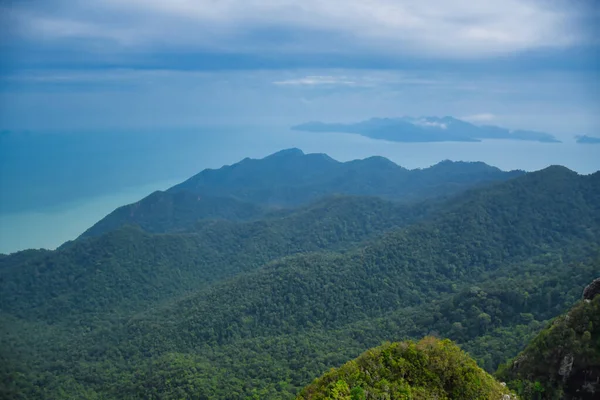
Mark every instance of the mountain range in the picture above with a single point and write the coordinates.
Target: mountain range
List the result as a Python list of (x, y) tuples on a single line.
[(288, 178), (251, 280), (426, 129)]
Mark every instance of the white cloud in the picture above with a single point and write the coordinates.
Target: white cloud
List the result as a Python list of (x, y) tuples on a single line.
[(317, 80), (431, 124), (363, 79), (483, 117), (457, 28)]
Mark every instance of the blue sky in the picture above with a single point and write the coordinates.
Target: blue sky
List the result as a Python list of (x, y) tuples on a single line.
[(108, 64)]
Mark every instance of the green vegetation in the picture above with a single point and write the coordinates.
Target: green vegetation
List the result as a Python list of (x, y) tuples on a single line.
[(128, 270), (563, 360), (231, 309), (429, 369)]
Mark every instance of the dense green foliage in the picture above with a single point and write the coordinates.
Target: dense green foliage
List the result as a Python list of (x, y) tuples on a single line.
[(250, 188), (563, 360), (428, 369), (259, 308), (128, 269)]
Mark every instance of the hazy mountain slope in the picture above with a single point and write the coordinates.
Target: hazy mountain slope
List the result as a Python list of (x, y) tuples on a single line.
[(291, 178), (428, 369), (128, 269), (163, 212)]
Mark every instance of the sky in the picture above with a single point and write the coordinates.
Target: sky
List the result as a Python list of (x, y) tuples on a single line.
[(106, 64), (103, 101)]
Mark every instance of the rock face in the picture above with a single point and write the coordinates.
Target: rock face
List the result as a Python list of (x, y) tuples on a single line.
[(592, 290), (566, 366), (563, 361)]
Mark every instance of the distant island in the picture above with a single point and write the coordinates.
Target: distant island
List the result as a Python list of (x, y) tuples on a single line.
[(585, 139), (426, 129)]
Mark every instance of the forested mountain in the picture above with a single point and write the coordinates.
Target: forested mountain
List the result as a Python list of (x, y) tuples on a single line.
[(563, 360), (128, 269), (248, 189), (163, 212), (260, 305), (480, 232), (291, 177), (428, 369)]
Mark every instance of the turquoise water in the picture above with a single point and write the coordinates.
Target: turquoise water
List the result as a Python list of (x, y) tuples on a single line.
[(50, 228), (54, 186)]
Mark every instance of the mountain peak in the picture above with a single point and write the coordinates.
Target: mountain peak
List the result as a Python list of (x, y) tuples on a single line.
[(456, 373), (557, 169), (470, 165), (291, 152), (378, 162)]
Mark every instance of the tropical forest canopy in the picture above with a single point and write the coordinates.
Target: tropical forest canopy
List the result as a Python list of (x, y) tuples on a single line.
[(252, 280)]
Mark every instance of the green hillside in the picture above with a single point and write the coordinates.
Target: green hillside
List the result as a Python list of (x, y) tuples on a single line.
[(563, 360), (128, 270), (259, 308), (428, 369)]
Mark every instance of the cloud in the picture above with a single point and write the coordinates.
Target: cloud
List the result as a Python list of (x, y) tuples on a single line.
[(438, 28), (483, 117), (317, 80), (430, 124), (360, 79)]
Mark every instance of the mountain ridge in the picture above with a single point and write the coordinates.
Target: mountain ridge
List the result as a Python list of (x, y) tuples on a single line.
[(291, 178)]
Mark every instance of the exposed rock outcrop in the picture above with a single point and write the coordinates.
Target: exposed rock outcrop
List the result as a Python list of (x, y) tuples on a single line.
[(563, 361), (566, 366), (592, 290)]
